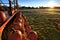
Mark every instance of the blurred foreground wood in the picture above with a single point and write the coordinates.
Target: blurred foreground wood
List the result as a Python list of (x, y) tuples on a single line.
[(4, 25)]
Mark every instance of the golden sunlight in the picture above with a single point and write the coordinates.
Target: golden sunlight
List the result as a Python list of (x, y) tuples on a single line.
[(50, 4)]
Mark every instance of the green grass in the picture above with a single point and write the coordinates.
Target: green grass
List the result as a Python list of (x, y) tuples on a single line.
[(44, 24)]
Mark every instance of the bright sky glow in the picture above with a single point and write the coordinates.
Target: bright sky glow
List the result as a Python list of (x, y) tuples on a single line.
[(50, 4), (37, 3)]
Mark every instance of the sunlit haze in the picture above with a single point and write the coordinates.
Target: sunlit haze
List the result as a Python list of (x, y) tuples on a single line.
[(38, 3)]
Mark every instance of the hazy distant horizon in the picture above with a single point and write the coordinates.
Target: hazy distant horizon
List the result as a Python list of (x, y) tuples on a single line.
[(37, 3), (37, 6)]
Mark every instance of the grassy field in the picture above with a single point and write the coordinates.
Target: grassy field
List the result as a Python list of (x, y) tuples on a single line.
[(44, 22)]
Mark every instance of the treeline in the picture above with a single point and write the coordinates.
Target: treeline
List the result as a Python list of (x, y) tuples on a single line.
[(23, 7), (49, 7), (4, 8)]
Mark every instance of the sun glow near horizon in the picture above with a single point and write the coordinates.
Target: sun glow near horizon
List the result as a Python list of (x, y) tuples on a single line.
[(50, 4)]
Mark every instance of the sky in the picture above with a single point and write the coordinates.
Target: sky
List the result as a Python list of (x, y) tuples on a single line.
[(37, 3)]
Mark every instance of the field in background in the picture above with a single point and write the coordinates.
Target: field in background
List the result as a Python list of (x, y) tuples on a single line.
[(44, 22)]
